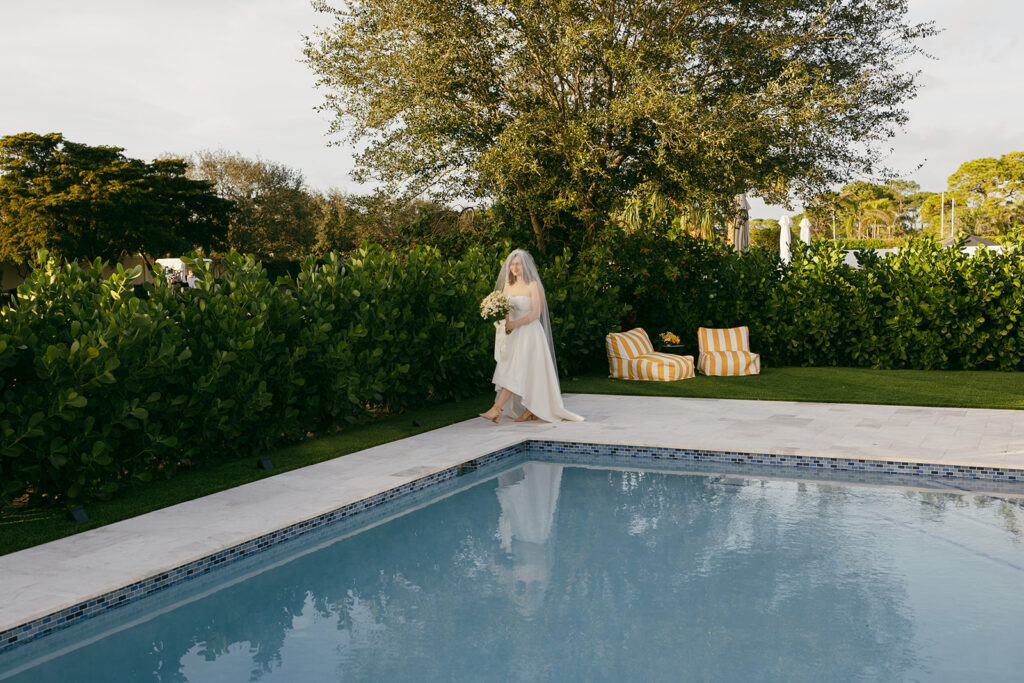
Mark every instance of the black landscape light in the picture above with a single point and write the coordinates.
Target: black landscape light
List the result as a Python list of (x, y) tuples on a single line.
[(264, 464), (78, 514)]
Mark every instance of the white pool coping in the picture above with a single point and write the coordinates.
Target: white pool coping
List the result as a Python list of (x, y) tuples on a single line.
[(45, 579)]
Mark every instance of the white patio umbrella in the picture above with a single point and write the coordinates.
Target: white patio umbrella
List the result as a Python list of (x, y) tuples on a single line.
[(805, 231), (785, 238), (741, 224)]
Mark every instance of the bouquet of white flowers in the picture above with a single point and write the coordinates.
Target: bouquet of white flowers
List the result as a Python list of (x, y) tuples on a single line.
[(495, 307)]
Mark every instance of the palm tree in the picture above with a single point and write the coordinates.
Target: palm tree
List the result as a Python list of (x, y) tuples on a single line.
[(881, 211)]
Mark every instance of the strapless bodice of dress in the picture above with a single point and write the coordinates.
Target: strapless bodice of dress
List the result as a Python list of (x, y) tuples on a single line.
[(520, 306)]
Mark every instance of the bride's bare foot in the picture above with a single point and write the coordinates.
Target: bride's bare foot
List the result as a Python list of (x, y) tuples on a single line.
[(526, 417), (494, 415)]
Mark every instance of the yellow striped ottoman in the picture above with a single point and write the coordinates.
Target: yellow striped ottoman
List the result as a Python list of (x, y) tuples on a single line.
[(631, 356), (725, 352)]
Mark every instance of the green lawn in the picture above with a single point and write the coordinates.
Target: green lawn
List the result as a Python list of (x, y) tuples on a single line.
[(24, 528), (971, 389)]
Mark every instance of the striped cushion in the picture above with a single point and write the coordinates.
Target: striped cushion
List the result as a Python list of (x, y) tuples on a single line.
[(723, 339), (725, 352), (659, 367), (729, 363), (628, 344), (631, 356)]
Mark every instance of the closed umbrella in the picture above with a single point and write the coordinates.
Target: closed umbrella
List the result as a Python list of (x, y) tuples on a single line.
[(741, 224), (805, 231), (785, 238)]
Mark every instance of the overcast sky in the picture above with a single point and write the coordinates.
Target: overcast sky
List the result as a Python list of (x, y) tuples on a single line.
[(183, 76)]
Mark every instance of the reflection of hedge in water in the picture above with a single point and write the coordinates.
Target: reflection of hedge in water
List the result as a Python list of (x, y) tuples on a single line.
[(665, 564), (101, 386)]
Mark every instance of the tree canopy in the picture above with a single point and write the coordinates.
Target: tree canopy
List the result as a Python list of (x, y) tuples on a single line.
[(989, 194), (274, 210), (83, 201), (576, 106)]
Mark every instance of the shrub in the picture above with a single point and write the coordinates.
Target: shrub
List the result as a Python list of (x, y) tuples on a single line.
[(102, 386), (83, 363)]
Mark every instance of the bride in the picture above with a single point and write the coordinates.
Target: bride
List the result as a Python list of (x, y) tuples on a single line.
[(526, 372)]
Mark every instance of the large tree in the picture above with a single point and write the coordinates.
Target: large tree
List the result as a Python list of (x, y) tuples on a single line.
[(577, 105), (275, 213), (989, 194), (83, 201)]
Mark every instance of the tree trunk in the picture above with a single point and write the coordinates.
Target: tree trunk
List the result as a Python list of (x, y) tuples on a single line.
[(538, 230)]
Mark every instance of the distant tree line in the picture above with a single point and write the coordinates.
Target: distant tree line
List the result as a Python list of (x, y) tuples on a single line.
[(84, 201), (986, 197)]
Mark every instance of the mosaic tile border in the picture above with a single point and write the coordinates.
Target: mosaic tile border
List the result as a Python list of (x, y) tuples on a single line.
[(806, 462), (43, 626), (38, 628)]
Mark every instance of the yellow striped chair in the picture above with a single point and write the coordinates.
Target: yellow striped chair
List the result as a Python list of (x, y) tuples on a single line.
[(631, 356), (725, 351)]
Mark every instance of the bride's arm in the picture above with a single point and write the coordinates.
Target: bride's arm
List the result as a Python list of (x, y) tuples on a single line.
[(536, 307)]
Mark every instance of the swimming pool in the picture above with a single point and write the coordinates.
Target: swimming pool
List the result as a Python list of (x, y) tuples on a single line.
[(548, 567)]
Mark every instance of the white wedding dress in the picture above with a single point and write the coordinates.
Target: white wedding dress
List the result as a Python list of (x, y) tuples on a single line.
[(526, 368)]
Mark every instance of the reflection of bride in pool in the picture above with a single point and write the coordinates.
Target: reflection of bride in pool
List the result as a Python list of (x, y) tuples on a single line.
[(528, 496)]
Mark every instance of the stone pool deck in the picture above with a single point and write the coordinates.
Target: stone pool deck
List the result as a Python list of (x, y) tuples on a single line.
[(45, 579)]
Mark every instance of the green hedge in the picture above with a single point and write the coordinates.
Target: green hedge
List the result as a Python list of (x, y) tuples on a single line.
[(924, 307), (100, 387)]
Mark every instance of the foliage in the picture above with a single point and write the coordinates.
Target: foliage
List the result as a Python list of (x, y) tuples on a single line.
[(566, 109), (670, 282), (87, 202), (988, 194), (584, 308), (274, 210), (863, 210), (765, 233), (280, 219), (984, 194), (100, 388), (925, 307), (84, 394)]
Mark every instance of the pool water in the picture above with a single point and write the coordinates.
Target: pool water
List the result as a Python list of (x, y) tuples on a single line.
[(564, 572)]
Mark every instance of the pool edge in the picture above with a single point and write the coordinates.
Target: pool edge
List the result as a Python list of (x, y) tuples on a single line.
[(39, 627)]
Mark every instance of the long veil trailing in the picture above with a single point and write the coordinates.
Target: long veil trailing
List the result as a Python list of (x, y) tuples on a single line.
[(530, 274)]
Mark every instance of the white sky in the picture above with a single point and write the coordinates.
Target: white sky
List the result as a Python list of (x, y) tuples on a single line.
[(177, 77)]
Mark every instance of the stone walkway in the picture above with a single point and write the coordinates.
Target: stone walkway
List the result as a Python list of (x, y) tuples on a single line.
[(42, 580)]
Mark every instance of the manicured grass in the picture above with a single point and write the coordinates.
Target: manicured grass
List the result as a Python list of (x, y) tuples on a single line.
[(24, 528), (966, 389)]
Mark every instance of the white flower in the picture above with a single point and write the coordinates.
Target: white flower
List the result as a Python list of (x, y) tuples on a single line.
[(495, 306)]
